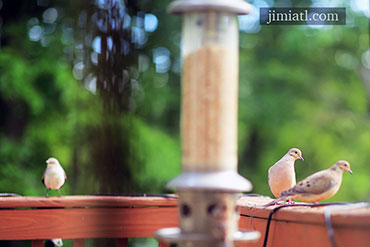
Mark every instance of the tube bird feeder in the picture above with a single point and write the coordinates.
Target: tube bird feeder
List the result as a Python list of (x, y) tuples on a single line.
[(209, 184)]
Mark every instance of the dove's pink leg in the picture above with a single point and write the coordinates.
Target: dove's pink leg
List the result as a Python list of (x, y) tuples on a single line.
[(279, 203), (290, 201)]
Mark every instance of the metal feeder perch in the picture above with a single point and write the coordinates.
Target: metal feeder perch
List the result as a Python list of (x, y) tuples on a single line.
[(209, 184)]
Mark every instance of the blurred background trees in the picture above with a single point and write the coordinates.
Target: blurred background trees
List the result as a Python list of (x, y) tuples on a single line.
[(96, 84)]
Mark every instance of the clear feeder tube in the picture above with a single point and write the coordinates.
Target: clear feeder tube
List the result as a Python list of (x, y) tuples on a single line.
[(209, 91)]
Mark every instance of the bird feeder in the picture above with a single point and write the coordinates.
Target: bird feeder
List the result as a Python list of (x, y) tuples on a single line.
[(209, 184)]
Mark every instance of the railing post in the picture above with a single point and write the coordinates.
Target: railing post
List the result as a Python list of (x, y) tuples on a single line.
[(79, 242), (121, 242), (163, 244), (37, 243)]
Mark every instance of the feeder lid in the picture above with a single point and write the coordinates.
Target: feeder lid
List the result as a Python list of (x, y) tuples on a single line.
[(221, 180), (239, 7)]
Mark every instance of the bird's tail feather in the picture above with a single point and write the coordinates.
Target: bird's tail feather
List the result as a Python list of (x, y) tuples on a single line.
[(276, 200)]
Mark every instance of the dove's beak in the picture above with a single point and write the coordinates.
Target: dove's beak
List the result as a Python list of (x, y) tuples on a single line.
[(350, 171), (301, 157)]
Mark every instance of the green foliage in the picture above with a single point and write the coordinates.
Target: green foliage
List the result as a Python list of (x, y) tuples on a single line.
[(160, 155), (299, 87), (297, 90)]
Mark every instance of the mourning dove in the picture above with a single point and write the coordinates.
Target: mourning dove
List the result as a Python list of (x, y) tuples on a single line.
[(54, 176), (281, 176), (319, 186)]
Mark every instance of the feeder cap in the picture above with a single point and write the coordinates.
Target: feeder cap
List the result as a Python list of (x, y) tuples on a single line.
[(239, 7)]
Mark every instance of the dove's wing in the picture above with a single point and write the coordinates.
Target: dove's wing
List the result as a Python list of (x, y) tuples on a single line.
[(317, 183)]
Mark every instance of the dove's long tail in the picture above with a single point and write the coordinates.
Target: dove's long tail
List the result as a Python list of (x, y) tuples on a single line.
[(276, 200)]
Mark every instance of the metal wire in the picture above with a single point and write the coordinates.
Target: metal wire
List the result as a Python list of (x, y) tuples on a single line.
[(254, 195), (136, 195), (9, 195), (292, 205), (327, 215)]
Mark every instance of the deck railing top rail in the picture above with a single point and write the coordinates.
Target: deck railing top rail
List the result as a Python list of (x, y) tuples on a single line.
[(122, 217), (89, 201), (314, 214)]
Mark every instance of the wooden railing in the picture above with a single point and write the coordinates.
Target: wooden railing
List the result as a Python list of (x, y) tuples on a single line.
[(124, 217), (82, 217), (306, 226)]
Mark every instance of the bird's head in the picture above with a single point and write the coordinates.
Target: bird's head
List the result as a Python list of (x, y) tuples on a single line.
[(344, 166), (296, 153), (52, 161)]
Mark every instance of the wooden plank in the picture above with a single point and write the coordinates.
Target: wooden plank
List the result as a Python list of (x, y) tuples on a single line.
[(252, 206), (304, 227), (78, 242), (37, 243), (290, 226), (121, 242), (87, 201), (290, 234), (163, 244), (85, 222)]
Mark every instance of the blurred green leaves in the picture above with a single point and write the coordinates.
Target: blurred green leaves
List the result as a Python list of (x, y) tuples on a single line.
[(299, 87), (302, 87)]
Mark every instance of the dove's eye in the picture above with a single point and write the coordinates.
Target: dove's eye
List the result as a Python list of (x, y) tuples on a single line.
[(345, 165), (295, 152)]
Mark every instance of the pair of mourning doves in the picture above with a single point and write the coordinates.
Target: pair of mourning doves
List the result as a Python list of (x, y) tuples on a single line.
[(319, 186), (281, 176), (54, 176)]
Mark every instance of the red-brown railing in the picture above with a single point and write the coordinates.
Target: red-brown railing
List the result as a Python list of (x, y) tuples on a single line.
[(306, 226), (82, 217), (120, 218)]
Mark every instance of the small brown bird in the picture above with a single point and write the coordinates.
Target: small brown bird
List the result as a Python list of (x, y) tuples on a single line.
[(319, 186), (54, 176), (281, 176)]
